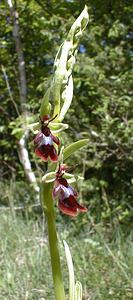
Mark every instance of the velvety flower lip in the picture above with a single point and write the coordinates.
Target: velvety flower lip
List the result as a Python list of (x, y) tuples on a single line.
[(44, 142), (67, 197)]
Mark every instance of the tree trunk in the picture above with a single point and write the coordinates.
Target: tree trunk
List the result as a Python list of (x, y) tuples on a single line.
[(22, 150)]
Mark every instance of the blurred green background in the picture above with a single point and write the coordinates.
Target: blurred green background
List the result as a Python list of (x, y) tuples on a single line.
[(102, 110)]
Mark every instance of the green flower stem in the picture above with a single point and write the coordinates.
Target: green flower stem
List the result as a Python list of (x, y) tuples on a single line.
[(48, 207)]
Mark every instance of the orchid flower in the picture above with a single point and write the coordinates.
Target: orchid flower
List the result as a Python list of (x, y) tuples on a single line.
[(67, 195), (44, 141)]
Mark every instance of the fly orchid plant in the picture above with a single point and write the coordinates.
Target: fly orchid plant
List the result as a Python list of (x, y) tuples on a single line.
[(56, 183)]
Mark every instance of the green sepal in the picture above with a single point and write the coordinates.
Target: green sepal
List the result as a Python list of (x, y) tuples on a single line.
[(54, 127), (49, 177), (34, 127), (74, 147), (58, 127), (72, 178)]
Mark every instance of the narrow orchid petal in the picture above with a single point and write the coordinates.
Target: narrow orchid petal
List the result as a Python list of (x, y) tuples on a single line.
[(55, 139), (55, 191), (38, 138)]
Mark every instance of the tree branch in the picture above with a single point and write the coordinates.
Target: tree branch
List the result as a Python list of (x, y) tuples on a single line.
[(9, 90)]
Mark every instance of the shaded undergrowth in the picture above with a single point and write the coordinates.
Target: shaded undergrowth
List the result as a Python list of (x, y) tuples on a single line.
[(103, 261)]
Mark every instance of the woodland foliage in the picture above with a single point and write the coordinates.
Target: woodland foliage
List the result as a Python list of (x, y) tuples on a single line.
[(102, 107)]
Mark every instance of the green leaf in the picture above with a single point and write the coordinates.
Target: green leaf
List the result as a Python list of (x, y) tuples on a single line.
[(70, 270), (74, 147), (78, 291), (17, 132)]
